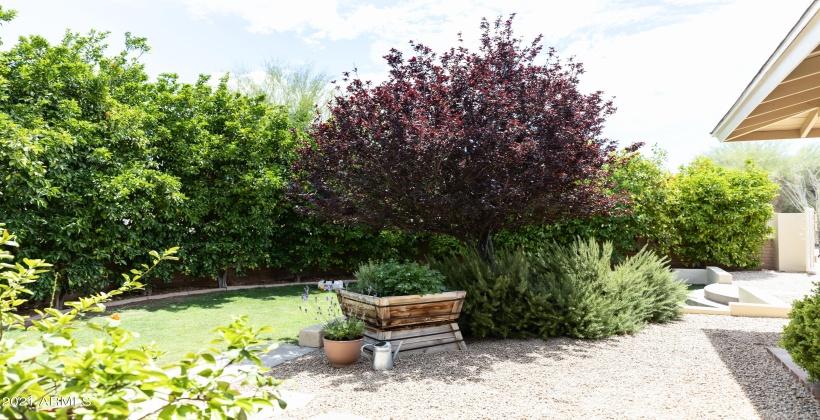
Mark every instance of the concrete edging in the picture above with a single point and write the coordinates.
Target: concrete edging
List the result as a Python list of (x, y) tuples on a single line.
[(116, 303), (783, 357)]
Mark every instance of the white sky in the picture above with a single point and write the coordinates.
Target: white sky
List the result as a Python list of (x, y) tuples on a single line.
[(674, 66)]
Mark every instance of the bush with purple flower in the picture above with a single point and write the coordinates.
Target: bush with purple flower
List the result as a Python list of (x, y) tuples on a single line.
[(327, 311)]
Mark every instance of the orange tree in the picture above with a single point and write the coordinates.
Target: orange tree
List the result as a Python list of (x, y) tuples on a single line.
[(465, 145)]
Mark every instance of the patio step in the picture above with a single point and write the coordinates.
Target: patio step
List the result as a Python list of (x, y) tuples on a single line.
[(698, 298), (721, 293)]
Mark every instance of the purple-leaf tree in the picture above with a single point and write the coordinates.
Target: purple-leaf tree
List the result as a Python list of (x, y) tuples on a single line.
[(464, 144)]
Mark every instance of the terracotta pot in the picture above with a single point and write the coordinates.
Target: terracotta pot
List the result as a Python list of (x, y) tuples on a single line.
[(342, 353)]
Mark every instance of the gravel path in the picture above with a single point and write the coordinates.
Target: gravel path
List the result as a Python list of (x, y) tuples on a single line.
[(701, 367), (785, 286)]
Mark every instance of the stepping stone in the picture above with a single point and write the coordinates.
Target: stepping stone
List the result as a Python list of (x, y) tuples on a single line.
[(281, 354), (311, 336)]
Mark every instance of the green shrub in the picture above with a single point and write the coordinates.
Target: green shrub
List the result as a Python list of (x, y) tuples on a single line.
[(592, 302), (562, 290), (501, 302), (659, 287), (704, 215), (642, 182), (392, 278), (720, 216), (801, 338), (335, 326)]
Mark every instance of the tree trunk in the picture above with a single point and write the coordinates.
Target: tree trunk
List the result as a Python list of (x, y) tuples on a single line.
[(485, 247), (60, 301), (57, 291), (222, 279)]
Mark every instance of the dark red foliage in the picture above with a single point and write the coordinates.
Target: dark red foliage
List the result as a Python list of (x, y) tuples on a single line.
[(464, 145)]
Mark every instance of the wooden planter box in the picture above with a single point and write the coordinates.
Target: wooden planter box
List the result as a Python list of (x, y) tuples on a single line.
[(393, 312), (424, 324)]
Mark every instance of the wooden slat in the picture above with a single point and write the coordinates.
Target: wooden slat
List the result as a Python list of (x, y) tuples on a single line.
[(760, 121), (772, 117), (808, 67), (399, 311), (768, 135), (415, 340), (418, 342), (787, 106), (416, 330), (414, 334), (809, 123), (777, 135), (384, 313), (795, 87), (456, 346)]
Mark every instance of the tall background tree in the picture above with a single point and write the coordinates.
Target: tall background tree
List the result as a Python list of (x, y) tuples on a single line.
[(301, 89), (795, 169), (465, 145)]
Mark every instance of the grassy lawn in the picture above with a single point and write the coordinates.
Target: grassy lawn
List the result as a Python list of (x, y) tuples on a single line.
[(180, 325)]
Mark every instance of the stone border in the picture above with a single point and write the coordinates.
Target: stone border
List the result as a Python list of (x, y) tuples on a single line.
[(783, 358), (116, 303)]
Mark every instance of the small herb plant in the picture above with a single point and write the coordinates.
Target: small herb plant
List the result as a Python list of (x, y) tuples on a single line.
[(327, 310), (393, 278)]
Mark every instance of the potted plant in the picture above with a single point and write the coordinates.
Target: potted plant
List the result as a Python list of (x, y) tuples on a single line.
[(343, 340), (343, 336), (405, 301)]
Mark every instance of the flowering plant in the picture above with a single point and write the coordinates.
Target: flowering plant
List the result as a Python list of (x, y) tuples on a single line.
[(335, 326)]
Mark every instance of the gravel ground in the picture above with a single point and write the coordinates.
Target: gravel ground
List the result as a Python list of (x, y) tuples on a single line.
[(785, 286), (701, 367)]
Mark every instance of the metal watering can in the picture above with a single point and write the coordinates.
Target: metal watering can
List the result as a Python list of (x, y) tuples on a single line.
[(383, 355)]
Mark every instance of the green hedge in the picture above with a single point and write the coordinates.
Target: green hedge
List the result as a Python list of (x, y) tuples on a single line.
[(562, 290), (642, 182), (720, 215), (705, 214)]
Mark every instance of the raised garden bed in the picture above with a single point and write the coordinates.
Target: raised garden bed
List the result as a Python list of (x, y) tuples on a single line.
[(425, 324)]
